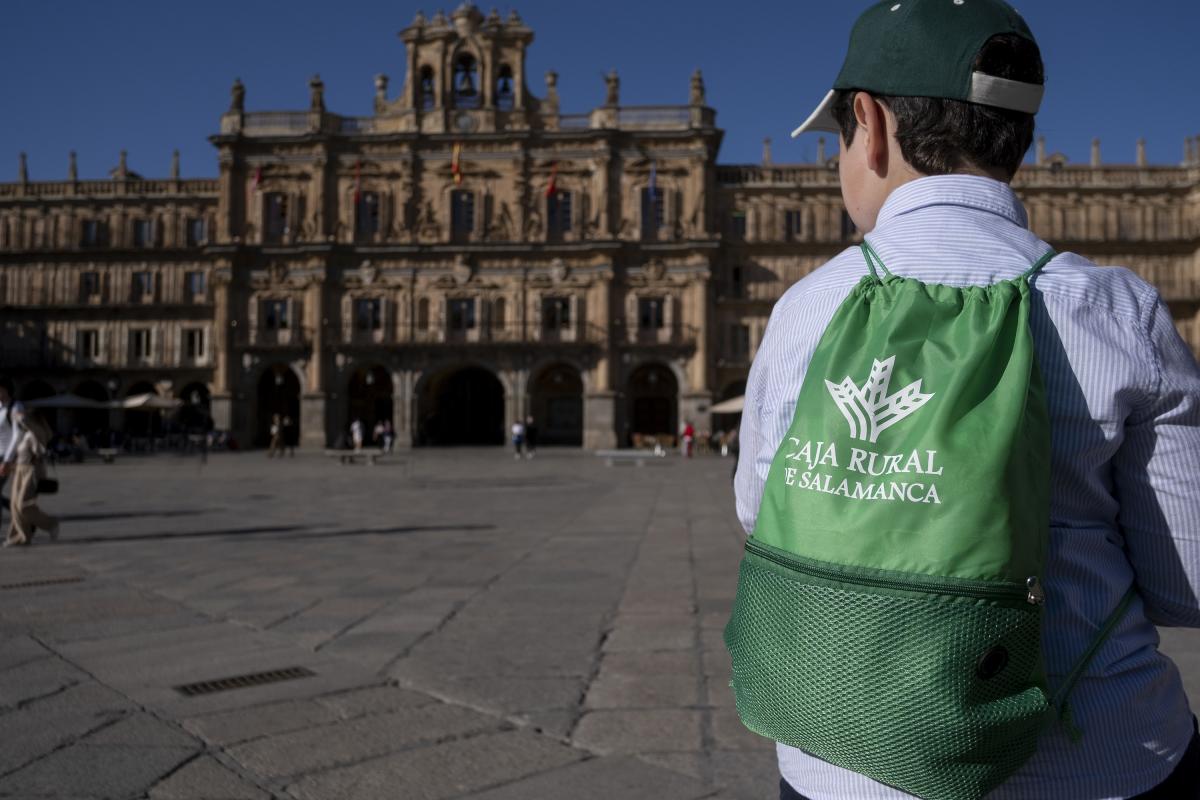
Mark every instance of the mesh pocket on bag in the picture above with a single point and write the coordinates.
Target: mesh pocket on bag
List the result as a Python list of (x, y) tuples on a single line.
[(940, 698)]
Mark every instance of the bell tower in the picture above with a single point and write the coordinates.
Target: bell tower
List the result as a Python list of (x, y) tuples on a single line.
[(465, 73)]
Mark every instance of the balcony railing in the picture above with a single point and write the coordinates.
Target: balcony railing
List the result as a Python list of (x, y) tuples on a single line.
[(675, 335), (512, 333)]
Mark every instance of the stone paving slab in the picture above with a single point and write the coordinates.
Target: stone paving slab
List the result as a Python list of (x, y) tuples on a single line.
[(478, 627)]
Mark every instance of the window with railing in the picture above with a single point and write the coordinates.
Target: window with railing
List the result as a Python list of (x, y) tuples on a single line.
[(556, 314), (196, 231), (89, 285), (848, 226), (737, 225), (793, 226), (275, 315), (143, 233), (140, 344), (89, 345), (368, 314), (558, 215), (94, 233), (738, 343), (141, 287), (275, 217), (423, 314), (653, 212), (462, 215), (193, 345), (460, 315), (651, 313), (366, 216), (194, 284), (737, 287)]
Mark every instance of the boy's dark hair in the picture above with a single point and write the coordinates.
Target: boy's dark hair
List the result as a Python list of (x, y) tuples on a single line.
[(938, 136)]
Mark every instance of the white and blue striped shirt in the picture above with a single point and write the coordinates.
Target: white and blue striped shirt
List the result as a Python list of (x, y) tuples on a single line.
[(1124, 397)]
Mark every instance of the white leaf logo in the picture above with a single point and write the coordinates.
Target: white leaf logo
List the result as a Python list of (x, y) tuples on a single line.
[(869, 409)]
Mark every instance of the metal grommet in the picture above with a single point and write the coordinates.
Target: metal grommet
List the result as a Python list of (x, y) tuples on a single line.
[(992, 663)]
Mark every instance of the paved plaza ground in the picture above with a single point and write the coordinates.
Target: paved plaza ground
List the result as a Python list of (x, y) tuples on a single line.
[(458, 624)]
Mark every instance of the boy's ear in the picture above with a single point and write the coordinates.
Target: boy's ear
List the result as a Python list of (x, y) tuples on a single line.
[(868, 113)]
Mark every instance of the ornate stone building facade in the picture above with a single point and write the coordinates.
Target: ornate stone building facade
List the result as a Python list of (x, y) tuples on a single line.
[(469, 255)]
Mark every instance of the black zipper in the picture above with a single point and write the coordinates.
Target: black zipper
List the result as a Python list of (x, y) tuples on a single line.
[(956, 587)]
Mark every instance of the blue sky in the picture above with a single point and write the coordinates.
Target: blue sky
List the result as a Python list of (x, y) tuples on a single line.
[(153, 75)]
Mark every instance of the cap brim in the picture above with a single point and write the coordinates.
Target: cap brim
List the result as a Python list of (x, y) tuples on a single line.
[(821, 119)]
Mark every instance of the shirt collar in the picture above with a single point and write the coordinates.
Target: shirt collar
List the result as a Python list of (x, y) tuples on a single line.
[(967, 191)]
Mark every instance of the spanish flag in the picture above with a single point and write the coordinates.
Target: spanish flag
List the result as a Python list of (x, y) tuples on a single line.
[(455, 166), (552, 186)]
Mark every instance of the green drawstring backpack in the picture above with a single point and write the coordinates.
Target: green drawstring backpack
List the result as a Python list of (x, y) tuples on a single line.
[(889, 603)]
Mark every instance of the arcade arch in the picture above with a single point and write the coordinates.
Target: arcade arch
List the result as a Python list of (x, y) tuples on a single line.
[(556, 405), (461, 406)]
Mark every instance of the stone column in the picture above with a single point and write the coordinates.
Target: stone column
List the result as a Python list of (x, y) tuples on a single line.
[(403, 407), (600, 420), (313, 421)]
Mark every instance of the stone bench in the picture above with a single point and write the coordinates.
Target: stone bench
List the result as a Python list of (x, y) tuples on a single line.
[(638, 457)]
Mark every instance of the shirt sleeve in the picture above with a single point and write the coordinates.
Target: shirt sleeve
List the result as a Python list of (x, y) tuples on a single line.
[(754, 434), (11, 454), (1156, 481)]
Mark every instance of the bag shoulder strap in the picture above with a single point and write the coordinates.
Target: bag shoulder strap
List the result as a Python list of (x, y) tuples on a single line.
[(1061, 699)]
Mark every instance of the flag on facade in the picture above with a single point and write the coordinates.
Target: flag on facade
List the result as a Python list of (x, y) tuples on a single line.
[(552, 186), (455, 165), (257, 178), (357, 182)]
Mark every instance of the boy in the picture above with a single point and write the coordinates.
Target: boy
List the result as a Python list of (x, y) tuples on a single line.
[(935, 109)]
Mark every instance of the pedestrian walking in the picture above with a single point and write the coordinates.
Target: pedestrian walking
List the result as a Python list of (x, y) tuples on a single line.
[(518, 438), (377, 436), (30, 467), (970, 464), (531, 437), (276, 446), (688, 439), (357, 431)]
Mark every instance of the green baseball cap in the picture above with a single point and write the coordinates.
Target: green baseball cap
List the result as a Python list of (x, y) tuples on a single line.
[(927, 48)]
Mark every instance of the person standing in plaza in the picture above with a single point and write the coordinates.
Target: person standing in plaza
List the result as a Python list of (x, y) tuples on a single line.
[(276, 446), (32, 436), (688, 438), (357, 431), (531, 437), (518, 438), (935, 111), (8, 439), (389, 436)]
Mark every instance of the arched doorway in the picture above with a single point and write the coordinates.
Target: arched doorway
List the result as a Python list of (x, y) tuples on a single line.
[(369, 398), (653, 402), (36, 390), (461, 407), (556, 404), (278, 394), (142, 423), (195, 413), (91, 422)]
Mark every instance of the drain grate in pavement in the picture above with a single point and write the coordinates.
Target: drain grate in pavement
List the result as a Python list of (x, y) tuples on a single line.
[(40, 582), (244, 681)]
